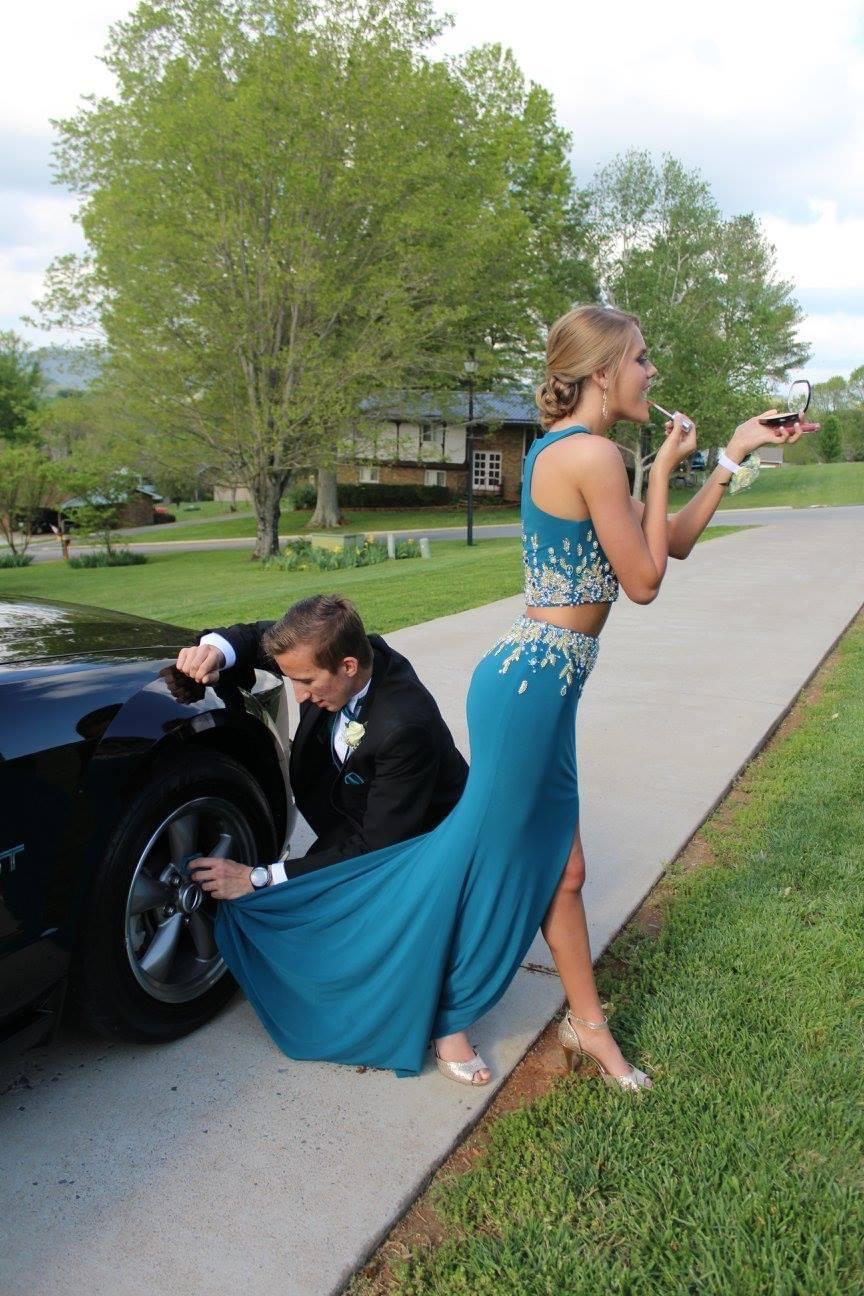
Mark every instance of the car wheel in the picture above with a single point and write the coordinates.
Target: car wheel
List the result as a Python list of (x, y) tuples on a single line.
[(148, 966)]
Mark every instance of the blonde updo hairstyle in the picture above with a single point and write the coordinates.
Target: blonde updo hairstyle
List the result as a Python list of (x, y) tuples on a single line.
[(584, 340)]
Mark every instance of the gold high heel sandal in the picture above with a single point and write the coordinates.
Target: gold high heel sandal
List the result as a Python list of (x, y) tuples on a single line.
[(576, 1055), (464, 1072)]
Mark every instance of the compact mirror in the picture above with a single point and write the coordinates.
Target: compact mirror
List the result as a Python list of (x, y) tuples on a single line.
[(796, 403), (799, 396)]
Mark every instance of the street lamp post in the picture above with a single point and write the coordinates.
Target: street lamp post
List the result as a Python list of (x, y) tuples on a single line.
[(470, 369)]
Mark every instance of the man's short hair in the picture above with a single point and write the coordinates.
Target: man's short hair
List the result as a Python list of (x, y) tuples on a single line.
[(329, 624)]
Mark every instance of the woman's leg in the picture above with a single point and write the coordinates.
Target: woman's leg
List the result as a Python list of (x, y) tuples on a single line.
[(566, 933)]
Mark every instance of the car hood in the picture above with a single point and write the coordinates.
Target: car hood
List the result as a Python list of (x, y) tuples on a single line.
[(36, 632)]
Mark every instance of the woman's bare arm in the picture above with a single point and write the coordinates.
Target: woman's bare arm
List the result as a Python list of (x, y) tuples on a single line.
[(637, 547)]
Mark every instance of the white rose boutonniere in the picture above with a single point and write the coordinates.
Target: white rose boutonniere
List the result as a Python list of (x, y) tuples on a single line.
[(354, 734)]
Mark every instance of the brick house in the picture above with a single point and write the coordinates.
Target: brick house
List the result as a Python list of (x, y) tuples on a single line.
[(135, 510), (422, 440)]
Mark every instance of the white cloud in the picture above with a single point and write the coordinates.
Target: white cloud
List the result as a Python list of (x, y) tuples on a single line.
[(50, 58), (43, 229), (837, 341), (771, 117), (823, 254)]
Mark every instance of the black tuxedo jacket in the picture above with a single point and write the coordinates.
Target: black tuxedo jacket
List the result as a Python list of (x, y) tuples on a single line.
[(402, 779)]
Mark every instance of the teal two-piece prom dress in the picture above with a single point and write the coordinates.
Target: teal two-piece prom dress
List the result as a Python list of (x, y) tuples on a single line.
[(366, 960)]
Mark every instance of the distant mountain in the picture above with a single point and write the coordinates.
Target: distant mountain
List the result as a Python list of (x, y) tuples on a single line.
[(65, 368)]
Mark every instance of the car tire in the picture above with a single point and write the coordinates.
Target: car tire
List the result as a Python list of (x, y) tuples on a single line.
[(148, 967)]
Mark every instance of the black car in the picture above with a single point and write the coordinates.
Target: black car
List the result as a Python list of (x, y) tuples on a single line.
[(115, 772)]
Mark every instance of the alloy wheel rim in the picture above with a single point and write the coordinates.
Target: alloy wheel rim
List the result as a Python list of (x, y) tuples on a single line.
[(169, 920)]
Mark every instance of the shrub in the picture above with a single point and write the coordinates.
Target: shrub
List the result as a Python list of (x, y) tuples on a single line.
[(830, 448), (303, 496), (16, 560), (302, 555), (370, 495), (407, 496), (117, 558)]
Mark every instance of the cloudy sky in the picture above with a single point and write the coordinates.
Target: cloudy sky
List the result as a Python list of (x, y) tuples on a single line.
[(769, 107)]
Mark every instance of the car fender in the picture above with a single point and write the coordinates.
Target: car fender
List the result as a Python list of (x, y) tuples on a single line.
[(159, 722)]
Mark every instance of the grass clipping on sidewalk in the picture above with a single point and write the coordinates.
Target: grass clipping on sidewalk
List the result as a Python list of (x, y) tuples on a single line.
[(742, 1171)]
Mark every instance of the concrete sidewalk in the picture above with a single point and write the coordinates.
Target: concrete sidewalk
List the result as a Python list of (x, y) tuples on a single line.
[(216, 1166)]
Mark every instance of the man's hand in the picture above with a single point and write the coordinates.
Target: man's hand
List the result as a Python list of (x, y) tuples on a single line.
[(223, 879), (202, 663)]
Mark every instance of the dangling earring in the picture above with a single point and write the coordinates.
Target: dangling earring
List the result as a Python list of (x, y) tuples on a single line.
[(604, 407)]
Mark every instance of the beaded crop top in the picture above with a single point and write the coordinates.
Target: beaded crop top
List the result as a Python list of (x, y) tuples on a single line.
[(564, 561)]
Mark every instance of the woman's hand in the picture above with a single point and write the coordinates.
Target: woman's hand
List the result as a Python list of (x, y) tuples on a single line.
[(679, 445), (749, 436)]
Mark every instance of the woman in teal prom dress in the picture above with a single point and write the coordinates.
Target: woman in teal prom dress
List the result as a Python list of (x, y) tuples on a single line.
[(365, 961)]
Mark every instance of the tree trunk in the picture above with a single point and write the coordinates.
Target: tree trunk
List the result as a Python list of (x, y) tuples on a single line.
[(327, 503), (8, 533), (266, 495)]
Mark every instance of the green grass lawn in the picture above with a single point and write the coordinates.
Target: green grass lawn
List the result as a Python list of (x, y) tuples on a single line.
[(740, 1174), (201, 589), (798, 486), (295, 522), (186, 510), (198, 589)]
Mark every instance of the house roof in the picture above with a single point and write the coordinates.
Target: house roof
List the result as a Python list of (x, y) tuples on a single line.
[(100, 500), (514, 405)]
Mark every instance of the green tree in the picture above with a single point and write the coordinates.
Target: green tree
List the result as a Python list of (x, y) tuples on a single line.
[(719, 325), (109, 423), (855, 388), (852, 433), (290, 206), (77, 421), (829, 440), (843, 399), (831, 396), (28, 482), (20, 388), (99, 489)]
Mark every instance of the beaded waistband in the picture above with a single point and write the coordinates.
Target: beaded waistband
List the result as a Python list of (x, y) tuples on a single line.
[(540, 644)]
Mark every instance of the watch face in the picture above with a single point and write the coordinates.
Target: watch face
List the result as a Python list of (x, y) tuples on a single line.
[(259, 877)]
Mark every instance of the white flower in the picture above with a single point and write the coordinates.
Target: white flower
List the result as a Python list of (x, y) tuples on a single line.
[(354, 733)]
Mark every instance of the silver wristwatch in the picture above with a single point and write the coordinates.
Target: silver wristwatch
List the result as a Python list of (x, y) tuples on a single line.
[(260, 877)]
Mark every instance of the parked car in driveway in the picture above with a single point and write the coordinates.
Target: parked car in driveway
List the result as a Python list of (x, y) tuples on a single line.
[(115, 772)]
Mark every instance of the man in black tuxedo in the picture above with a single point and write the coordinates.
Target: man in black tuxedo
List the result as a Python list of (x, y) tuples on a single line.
[(372, 761)]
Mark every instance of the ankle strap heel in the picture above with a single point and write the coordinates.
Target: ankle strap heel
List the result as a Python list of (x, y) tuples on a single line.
[(576, 1055)]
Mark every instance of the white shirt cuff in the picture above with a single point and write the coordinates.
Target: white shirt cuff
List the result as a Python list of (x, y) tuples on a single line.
[(216, 641), (278, 873)]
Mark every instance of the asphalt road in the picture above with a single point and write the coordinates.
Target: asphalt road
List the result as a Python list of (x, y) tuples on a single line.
[(47, 550)]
